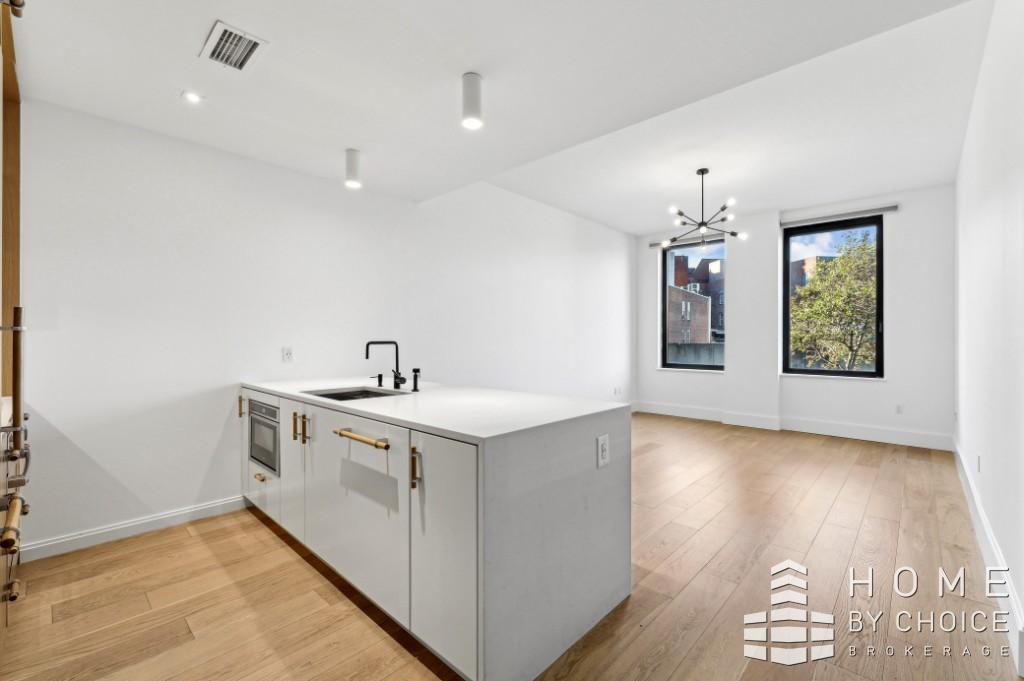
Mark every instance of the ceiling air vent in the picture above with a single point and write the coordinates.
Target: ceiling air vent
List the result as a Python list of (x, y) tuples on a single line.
[(230, 47)]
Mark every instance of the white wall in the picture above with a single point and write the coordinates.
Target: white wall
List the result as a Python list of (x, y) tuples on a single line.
[(158, 274), (918, 262), (990, 296), (515, 294)]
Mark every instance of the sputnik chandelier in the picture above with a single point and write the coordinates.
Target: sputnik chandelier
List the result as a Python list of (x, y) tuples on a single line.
[(703, 227)]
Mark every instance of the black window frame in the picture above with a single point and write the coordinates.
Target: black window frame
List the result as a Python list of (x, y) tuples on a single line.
[(876, 221), (663, 316)]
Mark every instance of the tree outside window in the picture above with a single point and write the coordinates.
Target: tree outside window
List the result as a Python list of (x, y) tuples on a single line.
[(833, 288)]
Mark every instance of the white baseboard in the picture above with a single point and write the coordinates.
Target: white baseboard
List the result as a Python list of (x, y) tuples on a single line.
[(684, 410), (857, 431), (993, 556), (765, 421), (99, 535)]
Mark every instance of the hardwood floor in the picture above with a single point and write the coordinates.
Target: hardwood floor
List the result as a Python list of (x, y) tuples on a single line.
[(715, 506)]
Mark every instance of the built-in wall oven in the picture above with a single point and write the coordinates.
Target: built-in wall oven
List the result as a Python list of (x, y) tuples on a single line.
[(264, 445)]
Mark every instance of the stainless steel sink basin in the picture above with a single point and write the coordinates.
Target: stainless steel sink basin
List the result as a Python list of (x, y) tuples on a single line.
[(345, 394)]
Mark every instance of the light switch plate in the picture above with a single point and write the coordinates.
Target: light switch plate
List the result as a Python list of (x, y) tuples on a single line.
[(286, 353), (604, 454)]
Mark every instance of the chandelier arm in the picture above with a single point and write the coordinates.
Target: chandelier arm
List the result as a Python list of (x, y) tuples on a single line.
[(717, 213), (687, 217), (682, 236)]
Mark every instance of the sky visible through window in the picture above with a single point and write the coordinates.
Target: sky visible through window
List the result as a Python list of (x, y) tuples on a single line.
[(826, 244), (714, 251)]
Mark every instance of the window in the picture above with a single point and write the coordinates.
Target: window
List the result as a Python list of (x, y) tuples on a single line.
[(832, 292), (693, 307)]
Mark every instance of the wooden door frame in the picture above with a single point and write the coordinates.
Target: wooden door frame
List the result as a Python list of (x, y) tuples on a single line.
[(10, 201), (10, 255)]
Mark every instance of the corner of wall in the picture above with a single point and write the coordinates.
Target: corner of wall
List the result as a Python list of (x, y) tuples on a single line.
[(993, 555)]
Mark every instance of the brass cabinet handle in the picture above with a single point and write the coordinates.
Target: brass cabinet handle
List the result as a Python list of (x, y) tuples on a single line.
[(295, 425), (10, 537), (304, 433), (241, 413), (414, 468), (260, 477), (381, 443), (12, 590)]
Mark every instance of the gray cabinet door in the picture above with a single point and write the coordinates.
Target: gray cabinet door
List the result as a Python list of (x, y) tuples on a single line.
[(293, 470), (443, 541), (357, 506)]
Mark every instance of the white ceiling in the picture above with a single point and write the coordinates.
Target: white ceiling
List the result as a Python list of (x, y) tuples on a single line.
[(884, 114), (383, 76)]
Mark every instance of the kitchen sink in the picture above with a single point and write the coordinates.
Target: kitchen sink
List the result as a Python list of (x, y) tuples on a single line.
[(345, 394)]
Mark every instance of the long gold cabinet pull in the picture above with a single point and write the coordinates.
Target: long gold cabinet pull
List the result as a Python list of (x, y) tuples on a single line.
[(295, 425), (381, 443), (241, 410), (304, 431), (414, 468)]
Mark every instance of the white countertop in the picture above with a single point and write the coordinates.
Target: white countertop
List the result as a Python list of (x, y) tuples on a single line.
[(469, 414)]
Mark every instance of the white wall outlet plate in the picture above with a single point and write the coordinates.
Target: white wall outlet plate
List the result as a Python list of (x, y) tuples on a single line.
[(604, 454), (286, 354)]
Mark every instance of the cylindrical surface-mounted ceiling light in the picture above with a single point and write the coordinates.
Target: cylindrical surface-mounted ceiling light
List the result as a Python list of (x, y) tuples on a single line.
[(472, 101), (352, 178)]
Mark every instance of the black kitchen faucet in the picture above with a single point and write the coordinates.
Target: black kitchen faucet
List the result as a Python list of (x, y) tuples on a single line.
[(399, 378)]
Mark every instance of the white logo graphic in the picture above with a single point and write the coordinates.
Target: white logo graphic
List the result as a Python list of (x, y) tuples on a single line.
[(788, 642)]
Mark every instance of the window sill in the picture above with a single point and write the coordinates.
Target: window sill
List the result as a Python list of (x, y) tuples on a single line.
[(698, 371), (880, 379)]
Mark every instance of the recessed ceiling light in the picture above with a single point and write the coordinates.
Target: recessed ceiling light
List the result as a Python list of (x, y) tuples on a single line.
[(192, 97)]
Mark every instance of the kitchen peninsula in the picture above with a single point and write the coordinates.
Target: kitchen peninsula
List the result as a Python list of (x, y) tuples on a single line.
[(492, 525)]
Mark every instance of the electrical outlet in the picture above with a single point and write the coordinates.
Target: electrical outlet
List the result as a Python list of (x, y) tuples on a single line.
[(286, 353), (604, 454), (617, 391), (899, 408)]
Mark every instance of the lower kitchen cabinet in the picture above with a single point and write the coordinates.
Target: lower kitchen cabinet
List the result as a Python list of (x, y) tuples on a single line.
[(409, 544), (357, 505), (443, 547), (263, 489), (292, 467), (260, 484), (402, 514)]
